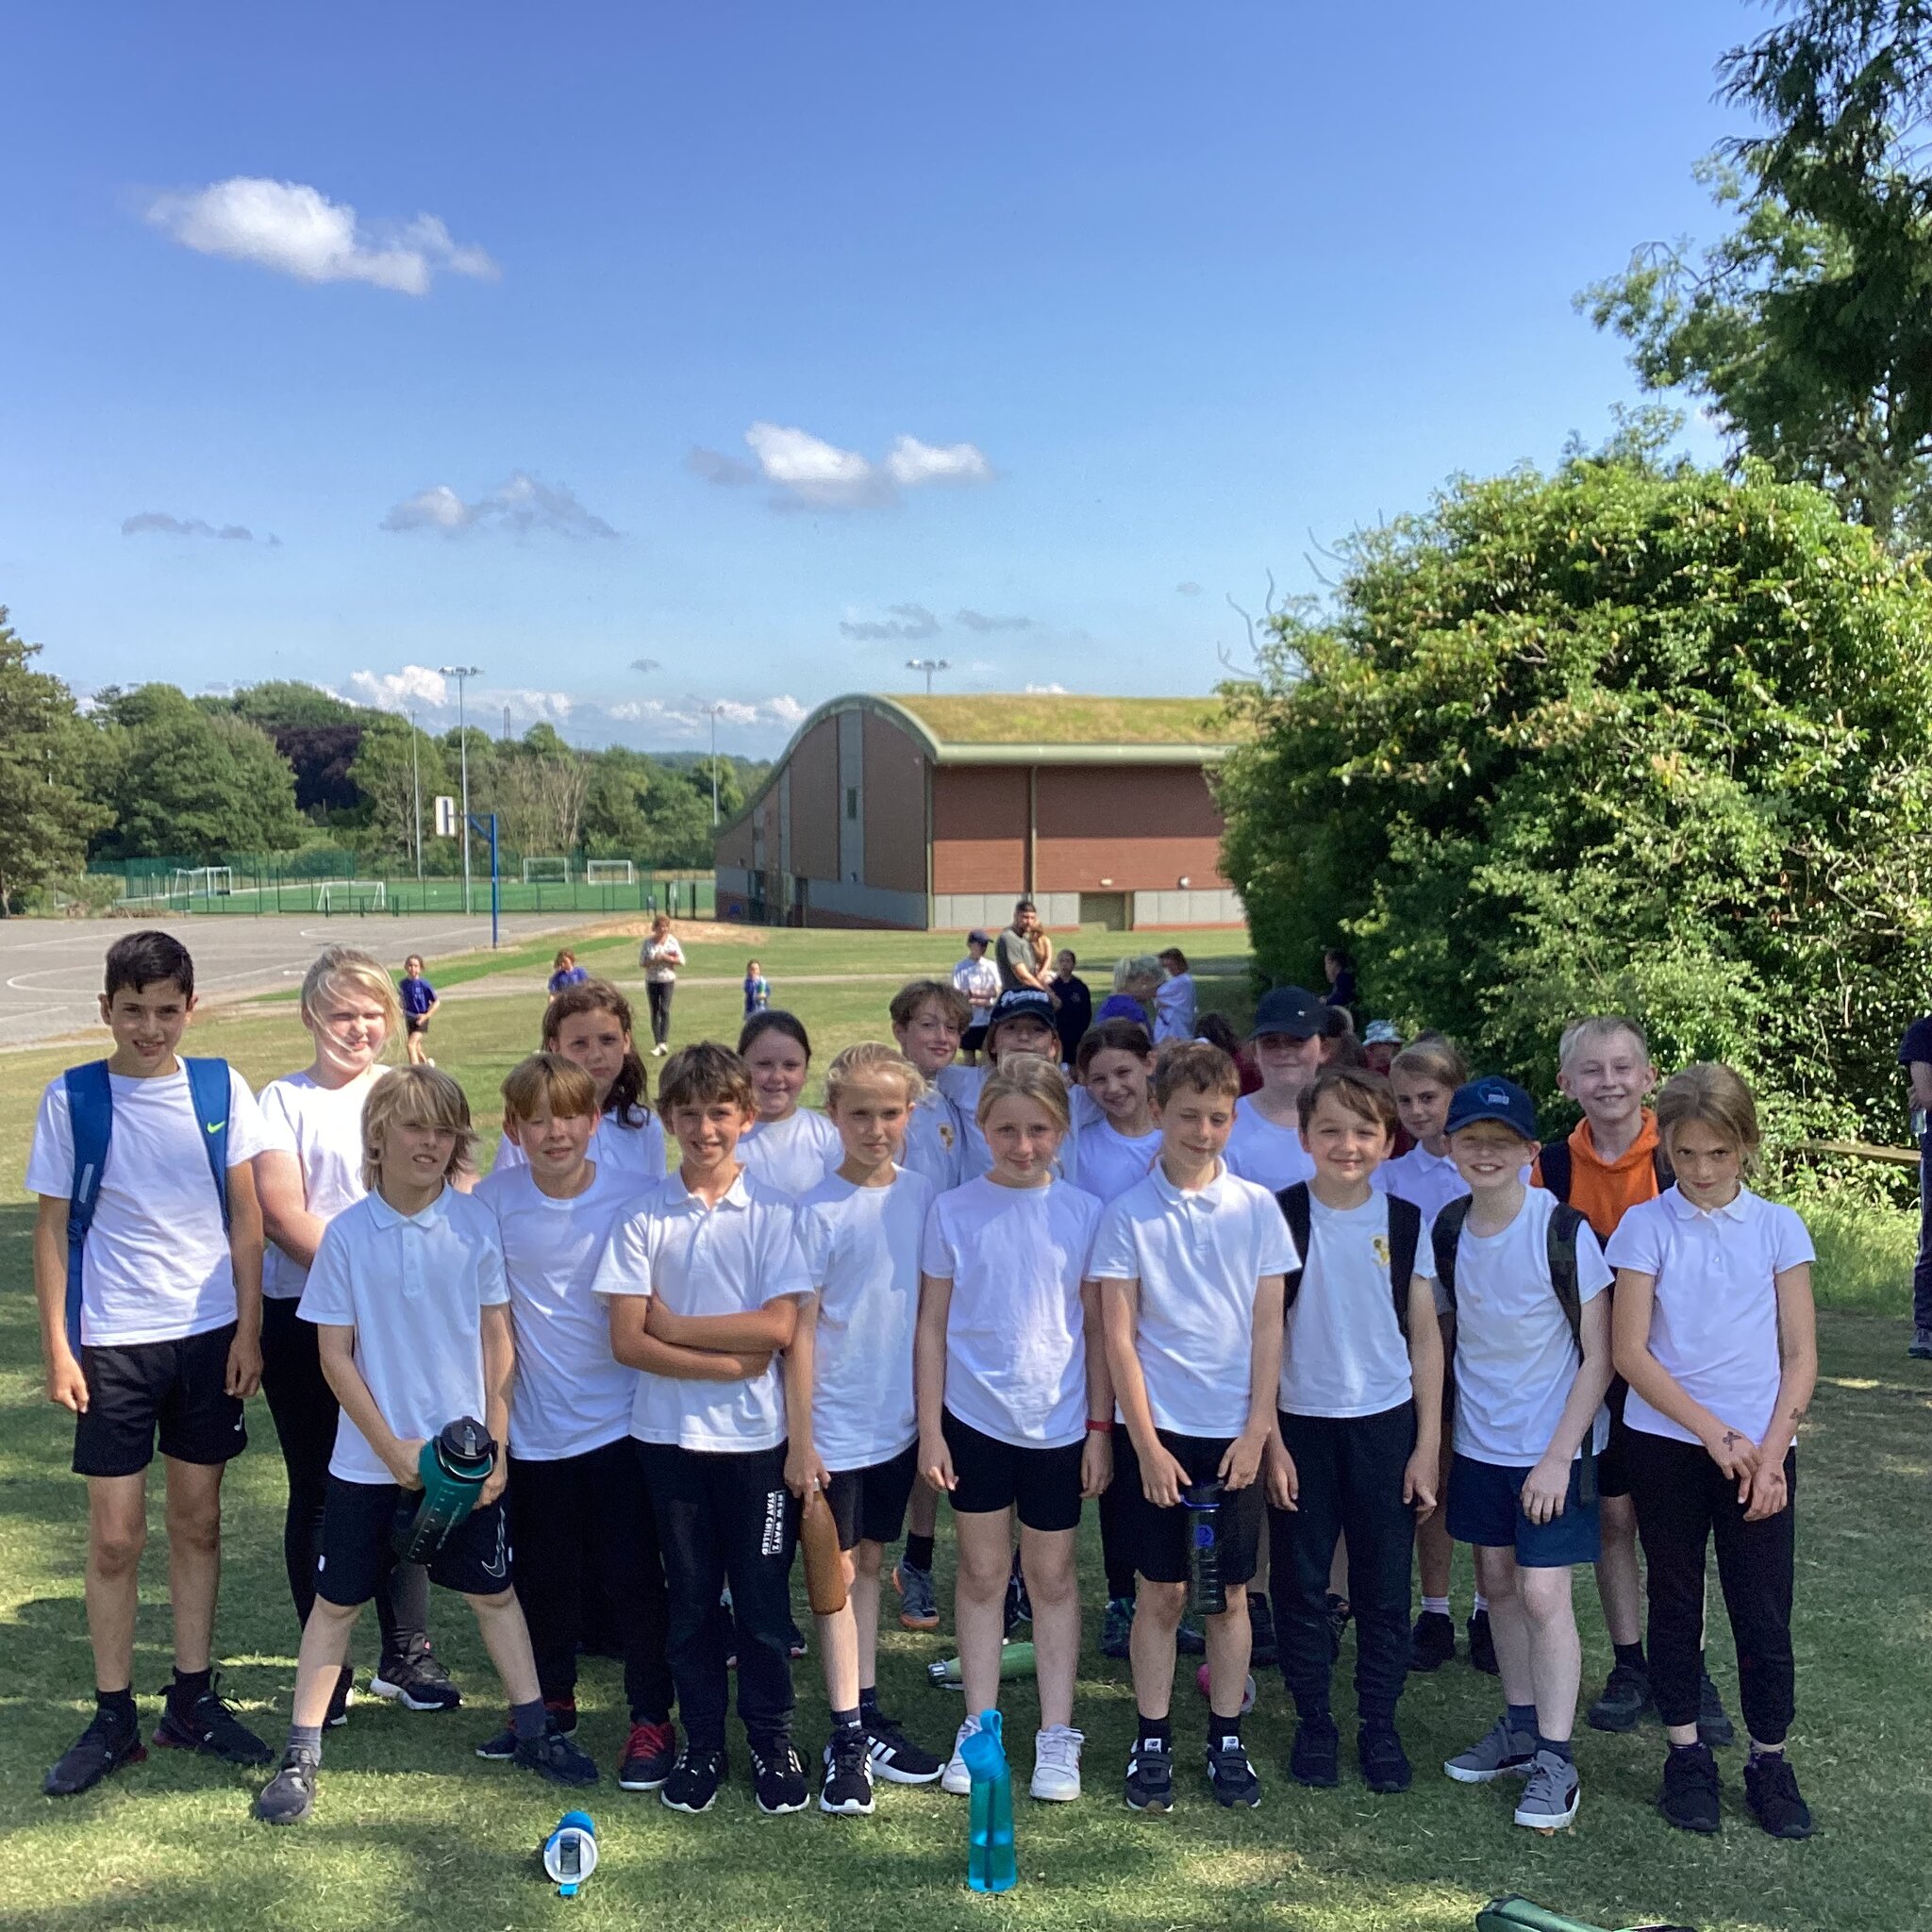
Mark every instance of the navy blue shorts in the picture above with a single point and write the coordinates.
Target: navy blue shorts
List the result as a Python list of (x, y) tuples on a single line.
[(1486, 1508)]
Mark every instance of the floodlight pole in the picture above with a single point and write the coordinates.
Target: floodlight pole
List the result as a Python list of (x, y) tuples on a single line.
[(416, 789), (461, 672), (928, 665), (712, 712)]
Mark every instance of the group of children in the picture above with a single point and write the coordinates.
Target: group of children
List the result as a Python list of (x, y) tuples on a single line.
[(987, 1282)]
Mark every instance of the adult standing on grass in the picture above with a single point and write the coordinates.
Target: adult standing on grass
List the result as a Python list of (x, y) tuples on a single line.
[(1023, 951), (661, 956), (1915, 1057)]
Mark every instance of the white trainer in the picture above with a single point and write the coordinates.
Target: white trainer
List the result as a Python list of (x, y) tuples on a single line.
[(1057, 1764), (956, 1778)]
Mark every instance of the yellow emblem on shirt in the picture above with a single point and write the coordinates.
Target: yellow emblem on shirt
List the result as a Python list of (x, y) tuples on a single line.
[(1380, 1244)]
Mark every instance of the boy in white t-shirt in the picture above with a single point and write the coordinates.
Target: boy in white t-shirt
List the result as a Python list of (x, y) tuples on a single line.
[(1531, 1370), (1190, 1260), (581, 1517), (1360, 1418), (1286, 1038), (162, 1334), (977, 979), (703, 1278), (408, 1291), (849, 1403)]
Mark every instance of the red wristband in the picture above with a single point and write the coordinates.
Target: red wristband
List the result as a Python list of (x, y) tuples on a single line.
[(1094, 1428)]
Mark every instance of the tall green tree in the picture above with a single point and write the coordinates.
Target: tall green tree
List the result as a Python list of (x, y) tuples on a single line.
[(1622, 738), (398, 770), (45, 814), (1808, 326)]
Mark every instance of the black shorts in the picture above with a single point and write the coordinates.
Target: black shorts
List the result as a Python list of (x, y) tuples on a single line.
[(992, 1474), (1613, 1465), (415, 1022), (1157, 1539), (869, 1505), (176, 1387), (974, 1039), (356, 1553)]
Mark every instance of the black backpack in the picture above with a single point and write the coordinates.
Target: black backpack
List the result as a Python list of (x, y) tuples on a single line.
[(1562, 1247), (1405, 1237), (1554, 1165)]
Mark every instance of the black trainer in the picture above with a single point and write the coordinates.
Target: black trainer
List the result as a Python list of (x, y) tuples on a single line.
[(417, 1682), (1316, 1757), (1384, 1762), (289, 1795), (1771, 1789), (1431, 1641), (1262, 1654), (1714, 1726), (209, 1725), (104, 1746), (1689, 1798), (1482, 1646), (695, 1778), (555, 1757), (846, 1791), (1625, 1698), (339, 1700), (1231, 1774), (778, 1775), (894, 1757), (1150, 1776)]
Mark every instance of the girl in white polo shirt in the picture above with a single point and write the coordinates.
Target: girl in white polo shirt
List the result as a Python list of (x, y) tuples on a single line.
[(1715, 1334), (791, 1148), (1015, 1403)]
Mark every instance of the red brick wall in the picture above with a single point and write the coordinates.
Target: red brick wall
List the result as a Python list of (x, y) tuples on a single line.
[(1142, 826), (894, 806), (978, 828)]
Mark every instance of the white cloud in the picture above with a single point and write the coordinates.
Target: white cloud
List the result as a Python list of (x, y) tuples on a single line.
[(909, 624), (688, 718), (522, 505), (808, 471), (296, 229), (161, 524), (392, 691), (786, 710), (1045, 690)]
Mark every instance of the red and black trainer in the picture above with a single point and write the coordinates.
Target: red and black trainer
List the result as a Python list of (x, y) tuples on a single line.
[(648, 1756)]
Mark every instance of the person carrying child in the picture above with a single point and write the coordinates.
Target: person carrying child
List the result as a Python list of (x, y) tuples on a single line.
[(147, 1273), (1717, 1335), (407, 1290), (1190, 1262)]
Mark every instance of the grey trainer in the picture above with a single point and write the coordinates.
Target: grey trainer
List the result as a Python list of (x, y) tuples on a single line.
[(1549, 1799), (1499, 1752)]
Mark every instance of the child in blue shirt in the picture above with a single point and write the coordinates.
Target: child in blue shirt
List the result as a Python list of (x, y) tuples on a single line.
[(757, 989), (419, 1007)]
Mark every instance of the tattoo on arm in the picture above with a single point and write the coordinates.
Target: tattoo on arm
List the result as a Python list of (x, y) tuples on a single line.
[(1799, 1413)]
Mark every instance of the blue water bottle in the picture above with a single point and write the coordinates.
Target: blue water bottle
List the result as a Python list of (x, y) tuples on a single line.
[(570, 1853), (1207, 1594), (991, 1863)]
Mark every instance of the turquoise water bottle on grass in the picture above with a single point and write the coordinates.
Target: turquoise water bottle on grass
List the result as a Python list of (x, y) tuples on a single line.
[(990, 1862)]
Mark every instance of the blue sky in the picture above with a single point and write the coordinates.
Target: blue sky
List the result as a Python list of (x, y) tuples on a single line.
[(776, 343)]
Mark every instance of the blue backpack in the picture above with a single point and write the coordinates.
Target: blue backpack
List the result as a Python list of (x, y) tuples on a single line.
[(90, 1113)]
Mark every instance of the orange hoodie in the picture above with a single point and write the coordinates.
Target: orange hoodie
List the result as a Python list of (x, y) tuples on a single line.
[(1604, 1190)]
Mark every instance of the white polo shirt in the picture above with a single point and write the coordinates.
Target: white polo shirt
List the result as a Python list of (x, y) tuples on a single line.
[(1713, 1323), (1515, 1361), (791, 1155), (1343, 1353), (629, 1151), (862, 1254), (321, 1126), (1199, 1254), (1260, 1151), (1430, 1180), (157, 1266), (936, 1139), (571, 1394), (1016, 1344), (413, 1287), (732, 1260), (1111, 1162)]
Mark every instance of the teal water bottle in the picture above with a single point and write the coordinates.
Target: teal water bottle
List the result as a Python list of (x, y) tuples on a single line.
[(990, 1862), (454, 1466)]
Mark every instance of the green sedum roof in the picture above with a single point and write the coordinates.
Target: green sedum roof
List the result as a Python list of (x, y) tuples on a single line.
[(1071, 719)]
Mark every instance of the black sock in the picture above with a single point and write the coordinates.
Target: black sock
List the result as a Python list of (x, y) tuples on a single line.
[(868, 1701), (1556, 1747), (1760, 1753), (1522, 1719), (845, 1719), (1680, 1750), (1156, 1730), (1630, 1656), (189, 1688), (640, 1716), (528, 1720), (919, 1552), (1219, 1727), (118, 1705)]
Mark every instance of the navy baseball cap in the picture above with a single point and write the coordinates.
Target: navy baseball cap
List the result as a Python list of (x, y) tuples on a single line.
[(1492, 1098), (1021, 1003), (1291, 1009)]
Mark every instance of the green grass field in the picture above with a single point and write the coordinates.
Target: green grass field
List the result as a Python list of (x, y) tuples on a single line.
[(413, 1830)]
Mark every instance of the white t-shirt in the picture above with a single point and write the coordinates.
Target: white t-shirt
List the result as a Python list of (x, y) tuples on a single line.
[(862, 1254), (979, 980), (1342, 1354), (1430, 1180), (156, 1265), (413, 1287), (632, 1151), (936, 1140), (571, 1394), (661, 958), (1199, 1254), (321, 1126), (1111, 1162), (1173, 1008), (1713, 1324), (1515, 1361), (1016, 1347), (794, 1155), (1260, 1151), (732, 1260), (962, 1086)]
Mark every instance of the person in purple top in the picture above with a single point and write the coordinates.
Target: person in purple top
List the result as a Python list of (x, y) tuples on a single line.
[(419, 1007)]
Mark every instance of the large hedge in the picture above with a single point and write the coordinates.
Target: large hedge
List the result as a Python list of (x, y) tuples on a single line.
[(1625, 738)]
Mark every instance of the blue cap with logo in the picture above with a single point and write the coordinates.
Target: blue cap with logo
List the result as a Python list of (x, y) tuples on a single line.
[(1289, 1010), (1492, 1098), (1021, 1003)]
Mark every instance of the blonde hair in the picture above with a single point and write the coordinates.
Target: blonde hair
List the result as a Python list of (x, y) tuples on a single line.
[(337, 967), (1137, 968), (1716, 1096), (415, 1097), (1028, 1076), (549, 1081), (1593, 1029), (1433, 1055), (871, 1060)]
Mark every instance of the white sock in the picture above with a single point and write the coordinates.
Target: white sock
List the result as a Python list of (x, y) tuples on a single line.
[(1435, 1607), (1482, 1602)]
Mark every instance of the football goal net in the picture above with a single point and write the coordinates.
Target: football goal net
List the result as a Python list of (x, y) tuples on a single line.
[(546, 872), (610, 872), (351, 895), (202, 882)]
